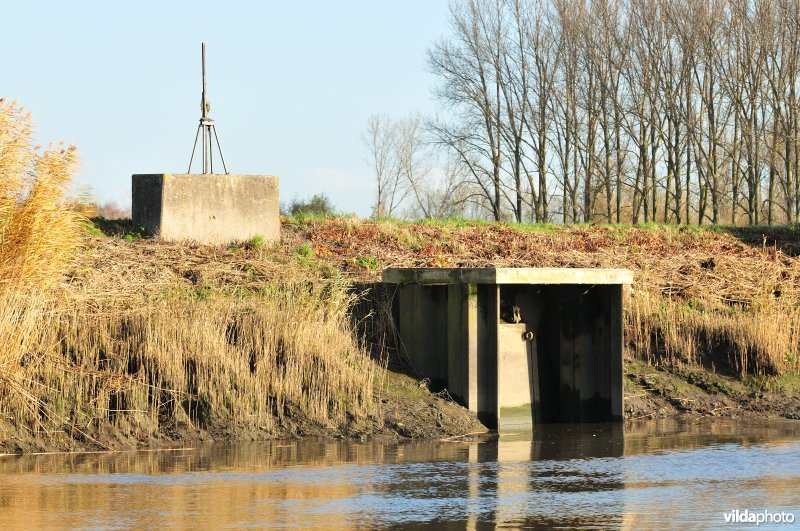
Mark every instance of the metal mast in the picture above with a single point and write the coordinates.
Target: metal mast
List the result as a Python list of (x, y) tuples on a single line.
[(207, 128)]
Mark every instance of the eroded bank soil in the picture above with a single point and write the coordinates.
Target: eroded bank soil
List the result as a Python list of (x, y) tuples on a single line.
[(653, 393), (408, 409)]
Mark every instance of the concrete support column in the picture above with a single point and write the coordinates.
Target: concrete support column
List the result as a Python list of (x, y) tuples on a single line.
[(471, 331)]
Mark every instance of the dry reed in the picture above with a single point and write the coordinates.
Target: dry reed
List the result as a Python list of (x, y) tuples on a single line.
[(39, 232), (700, 297), (230, 363), (92, 362), (755, 341)]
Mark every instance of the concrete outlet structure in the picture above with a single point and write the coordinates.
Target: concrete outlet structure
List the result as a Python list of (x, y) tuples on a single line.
[(517, 346), (207, 208)]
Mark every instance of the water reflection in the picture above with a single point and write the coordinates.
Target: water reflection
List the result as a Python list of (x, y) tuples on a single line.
[(669, 473)]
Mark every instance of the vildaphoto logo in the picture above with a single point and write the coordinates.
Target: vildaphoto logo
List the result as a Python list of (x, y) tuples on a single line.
[(746, 516)]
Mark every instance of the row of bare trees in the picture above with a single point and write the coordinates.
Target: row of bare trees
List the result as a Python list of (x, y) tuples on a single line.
[(412, 180), (628, 111)]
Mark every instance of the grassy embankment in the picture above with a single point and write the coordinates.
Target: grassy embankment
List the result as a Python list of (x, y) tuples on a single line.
[(109, 340), (712, 319), (126, 359)]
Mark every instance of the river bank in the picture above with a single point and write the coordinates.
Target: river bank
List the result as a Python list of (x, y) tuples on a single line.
[(658, 393), (654, 474), (148, 343)]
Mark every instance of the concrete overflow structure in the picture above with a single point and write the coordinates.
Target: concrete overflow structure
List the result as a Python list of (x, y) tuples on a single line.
[(516, 346)]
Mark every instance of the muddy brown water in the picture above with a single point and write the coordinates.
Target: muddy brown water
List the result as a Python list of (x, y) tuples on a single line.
[(672, 473)]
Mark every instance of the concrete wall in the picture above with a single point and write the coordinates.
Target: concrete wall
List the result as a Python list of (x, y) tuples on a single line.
[(422, 326), (576, 357), (211, 208)]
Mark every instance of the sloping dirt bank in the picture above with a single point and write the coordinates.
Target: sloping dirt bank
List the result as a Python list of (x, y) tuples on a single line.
[(405, 409), (653, 393)]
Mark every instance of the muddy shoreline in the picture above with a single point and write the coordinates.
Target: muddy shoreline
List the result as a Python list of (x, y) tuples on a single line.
[(653, 393), (409, 410)]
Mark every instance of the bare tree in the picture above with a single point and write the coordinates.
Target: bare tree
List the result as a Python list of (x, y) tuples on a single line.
[(471, 89), (445, 193), (414, 159), (396, 152), (381, 140), (638, 110)]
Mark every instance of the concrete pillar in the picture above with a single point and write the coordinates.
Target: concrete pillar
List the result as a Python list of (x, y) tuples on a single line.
[(471, 319)]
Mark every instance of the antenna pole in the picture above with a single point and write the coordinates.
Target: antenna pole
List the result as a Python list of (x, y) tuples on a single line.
[(205, 107), (207, 127)]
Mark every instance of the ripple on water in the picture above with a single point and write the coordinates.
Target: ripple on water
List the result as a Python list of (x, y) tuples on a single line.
[(591, 476)]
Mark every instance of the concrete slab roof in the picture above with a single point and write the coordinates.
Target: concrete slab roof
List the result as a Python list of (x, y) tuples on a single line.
[(506, 275)]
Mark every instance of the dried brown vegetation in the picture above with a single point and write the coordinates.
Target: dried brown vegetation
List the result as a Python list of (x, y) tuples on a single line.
[(231, 364), (38, 233), (725, 300), (700, 297), (110, 360)]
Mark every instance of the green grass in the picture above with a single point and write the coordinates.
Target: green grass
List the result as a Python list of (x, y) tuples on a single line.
[(300, 219), (115, 228), (750, 234), (305, 251), (367, 262), (256, 242), (92, 229), (458, 223), (788, 383)]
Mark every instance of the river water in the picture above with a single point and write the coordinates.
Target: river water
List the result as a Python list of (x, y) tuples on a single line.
[(672, 473)]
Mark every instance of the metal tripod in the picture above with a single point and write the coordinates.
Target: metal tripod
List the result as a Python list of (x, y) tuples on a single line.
[(207, 128)]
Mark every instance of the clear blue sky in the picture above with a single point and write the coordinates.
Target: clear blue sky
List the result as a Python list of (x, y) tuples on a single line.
[(291, 84)]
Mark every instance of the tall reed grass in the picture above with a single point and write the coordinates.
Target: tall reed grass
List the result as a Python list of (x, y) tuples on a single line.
[(231, 363), (763, 339), (39, 234), (39, 231)]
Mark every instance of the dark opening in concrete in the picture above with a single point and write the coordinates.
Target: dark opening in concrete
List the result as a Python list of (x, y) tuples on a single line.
[(516, 346)]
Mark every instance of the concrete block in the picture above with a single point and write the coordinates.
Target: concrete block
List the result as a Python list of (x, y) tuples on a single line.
[(207, 208), (514, 384)]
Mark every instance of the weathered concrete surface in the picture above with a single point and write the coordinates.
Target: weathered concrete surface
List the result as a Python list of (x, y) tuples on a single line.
[(210, 208), (507, 275), (513, 362)]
